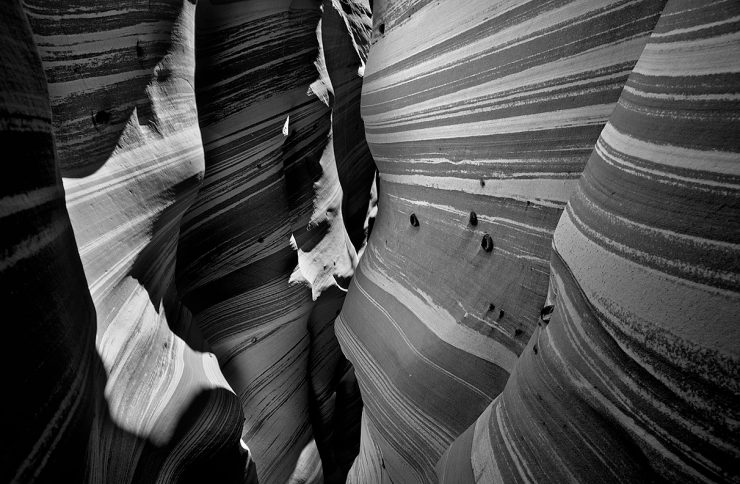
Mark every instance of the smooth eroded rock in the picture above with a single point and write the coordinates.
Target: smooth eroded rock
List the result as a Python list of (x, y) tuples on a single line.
[(264, 255), (130, 152), (485, 107), (50, 364), (635, 376)]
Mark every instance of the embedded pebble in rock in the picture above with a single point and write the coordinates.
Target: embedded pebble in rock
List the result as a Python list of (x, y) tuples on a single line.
[(635, 376), (485, 107)]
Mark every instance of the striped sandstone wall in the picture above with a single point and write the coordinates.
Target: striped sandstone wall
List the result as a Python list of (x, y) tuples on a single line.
[(130, 154), (635, 377), (484, 107)]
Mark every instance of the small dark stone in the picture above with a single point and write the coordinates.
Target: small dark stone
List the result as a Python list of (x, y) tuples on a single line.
[(487, 243), (491, 307), (381, 28), (518, 332), (102, 117), (501, 314), (414, 221), (473, 219), (482, 182), (534, 348), (546, 313), (260, 239), (139, 50)]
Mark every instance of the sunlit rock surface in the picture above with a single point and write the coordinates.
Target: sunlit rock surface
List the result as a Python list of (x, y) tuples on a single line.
[(129, 149), (635, 377), (480, 117)]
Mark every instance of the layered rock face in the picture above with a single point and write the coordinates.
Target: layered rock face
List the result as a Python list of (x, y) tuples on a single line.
[(267, 225), (549, 294), (480, 117), (266, 236), (129, 149), (49, 312), (635, 377), (495, 111)]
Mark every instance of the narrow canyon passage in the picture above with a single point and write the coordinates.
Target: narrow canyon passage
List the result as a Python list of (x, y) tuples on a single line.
[(210, 224), (389, 241), (264, 251)]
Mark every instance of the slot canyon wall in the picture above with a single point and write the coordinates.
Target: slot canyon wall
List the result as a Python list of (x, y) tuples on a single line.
[(481, 117), (550, 291), (275, 155), (130, 156), (207, 222), (42, 284)]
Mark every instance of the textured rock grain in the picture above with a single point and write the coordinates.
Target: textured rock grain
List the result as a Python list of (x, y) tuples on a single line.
[(120, 84), (550, 292), (264, 254), (636, 376), (485, 107)]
